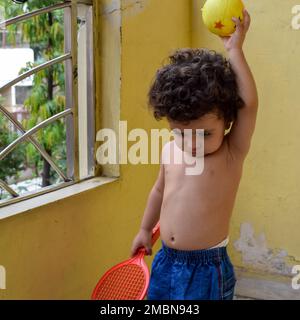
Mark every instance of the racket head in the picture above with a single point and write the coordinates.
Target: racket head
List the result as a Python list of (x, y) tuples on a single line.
[(128, 280)]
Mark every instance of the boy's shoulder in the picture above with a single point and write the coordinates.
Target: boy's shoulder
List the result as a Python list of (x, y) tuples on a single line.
[(166, 151), (168, 145)]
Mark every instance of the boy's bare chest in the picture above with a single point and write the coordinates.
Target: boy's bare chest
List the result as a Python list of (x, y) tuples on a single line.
[(213, 172), (219, 173)]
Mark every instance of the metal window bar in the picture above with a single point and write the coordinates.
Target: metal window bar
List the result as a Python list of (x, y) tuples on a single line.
[(33, 130), (90, 97), (71, 85), (40, 148), (70, 59), (6, 187), (35, 70), (34, 13)]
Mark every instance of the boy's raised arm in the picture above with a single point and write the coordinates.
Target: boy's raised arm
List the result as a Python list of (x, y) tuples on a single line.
[(242, 129)]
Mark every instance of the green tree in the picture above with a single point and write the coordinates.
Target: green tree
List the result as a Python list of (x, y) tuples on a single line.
[(45, 35), (13, 161)]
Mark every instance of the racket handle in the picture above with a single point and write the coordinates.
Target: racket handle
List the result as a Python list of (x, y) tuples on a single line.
[(155, 233)]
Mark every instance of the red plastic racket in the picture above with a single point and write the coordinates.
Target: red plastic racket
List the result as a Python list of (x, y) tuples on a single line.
[(128, 280)]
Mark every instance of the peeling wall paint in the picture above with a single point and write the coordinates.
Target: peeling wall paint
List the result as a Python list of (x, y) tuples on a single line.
[(133, 7), (110, 8), (110, 12), (128, 7), (257, 255)]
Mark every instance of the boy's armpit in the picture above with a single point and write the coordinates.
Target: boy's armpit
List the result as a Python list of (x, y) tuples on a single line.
[(240, 135)]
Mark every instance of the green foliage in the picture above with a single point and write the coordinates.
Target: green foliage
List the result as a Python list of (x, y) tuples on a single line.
[(15, 160)]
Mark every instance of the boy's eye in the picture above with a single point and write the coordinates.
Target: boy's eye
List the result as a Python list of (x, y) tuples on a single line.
[(177, 133), (181, 133), (205, 133)]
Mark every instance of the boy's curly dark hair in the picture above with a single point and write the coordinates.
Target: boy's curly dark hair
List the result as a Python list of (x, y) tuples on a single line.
[(196, 82)]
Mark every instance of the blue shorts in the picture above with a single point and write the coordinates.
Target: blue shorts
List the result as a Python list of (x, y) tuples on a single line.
[(191, 275)]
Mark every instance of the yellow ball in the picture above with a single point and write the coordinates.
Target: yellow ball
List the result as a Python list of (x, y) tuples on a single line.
[(217, 15)]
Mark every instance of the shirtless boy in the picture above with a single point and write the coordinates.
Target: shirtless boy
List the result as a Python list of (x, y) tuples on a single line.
[(199, 89)]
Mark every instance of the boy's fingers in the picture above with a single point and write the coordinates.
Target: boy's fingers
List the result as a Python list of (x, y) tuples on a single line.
[(236, 20), (134, 251), (247, 19), (238, 23)]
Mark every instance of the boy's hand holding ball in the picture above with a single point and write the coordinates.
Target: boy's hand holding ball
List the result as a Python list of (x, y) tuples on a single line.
[(217, 15), (228, 19)]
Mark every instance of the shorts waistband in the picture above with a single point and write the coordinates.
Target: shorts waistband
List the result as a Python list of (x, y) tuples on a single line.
[(214, 255), (223, 243)]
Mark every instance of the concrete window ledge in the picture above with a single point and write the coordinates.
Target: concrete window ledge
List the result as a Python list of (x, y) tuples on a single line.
[(53, 196)]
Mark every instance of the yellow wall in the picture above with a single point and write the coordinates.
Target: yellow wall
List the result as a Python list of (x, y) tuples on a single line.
[(59, 251)]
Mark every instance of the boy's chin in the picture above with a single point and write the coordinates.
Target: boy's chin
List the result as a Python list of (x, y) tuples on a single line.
[(195, 154)]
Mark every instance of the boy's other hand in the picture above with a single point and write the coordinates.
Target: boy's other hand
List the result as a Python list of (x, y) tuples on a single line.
[(142, 239), (236, 40)]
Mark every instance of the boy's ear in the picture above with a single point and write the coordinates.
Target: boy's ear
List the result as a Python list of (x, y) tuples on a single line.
[(227, 125)]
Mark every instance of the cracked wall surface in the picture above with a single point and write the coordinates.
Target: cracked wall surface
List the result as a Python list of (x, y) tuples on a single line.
[(127, 7), (257, 255)]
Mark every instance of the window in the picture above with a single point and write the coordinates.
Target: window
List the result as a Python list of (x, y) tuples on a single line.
[(46, 124)]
